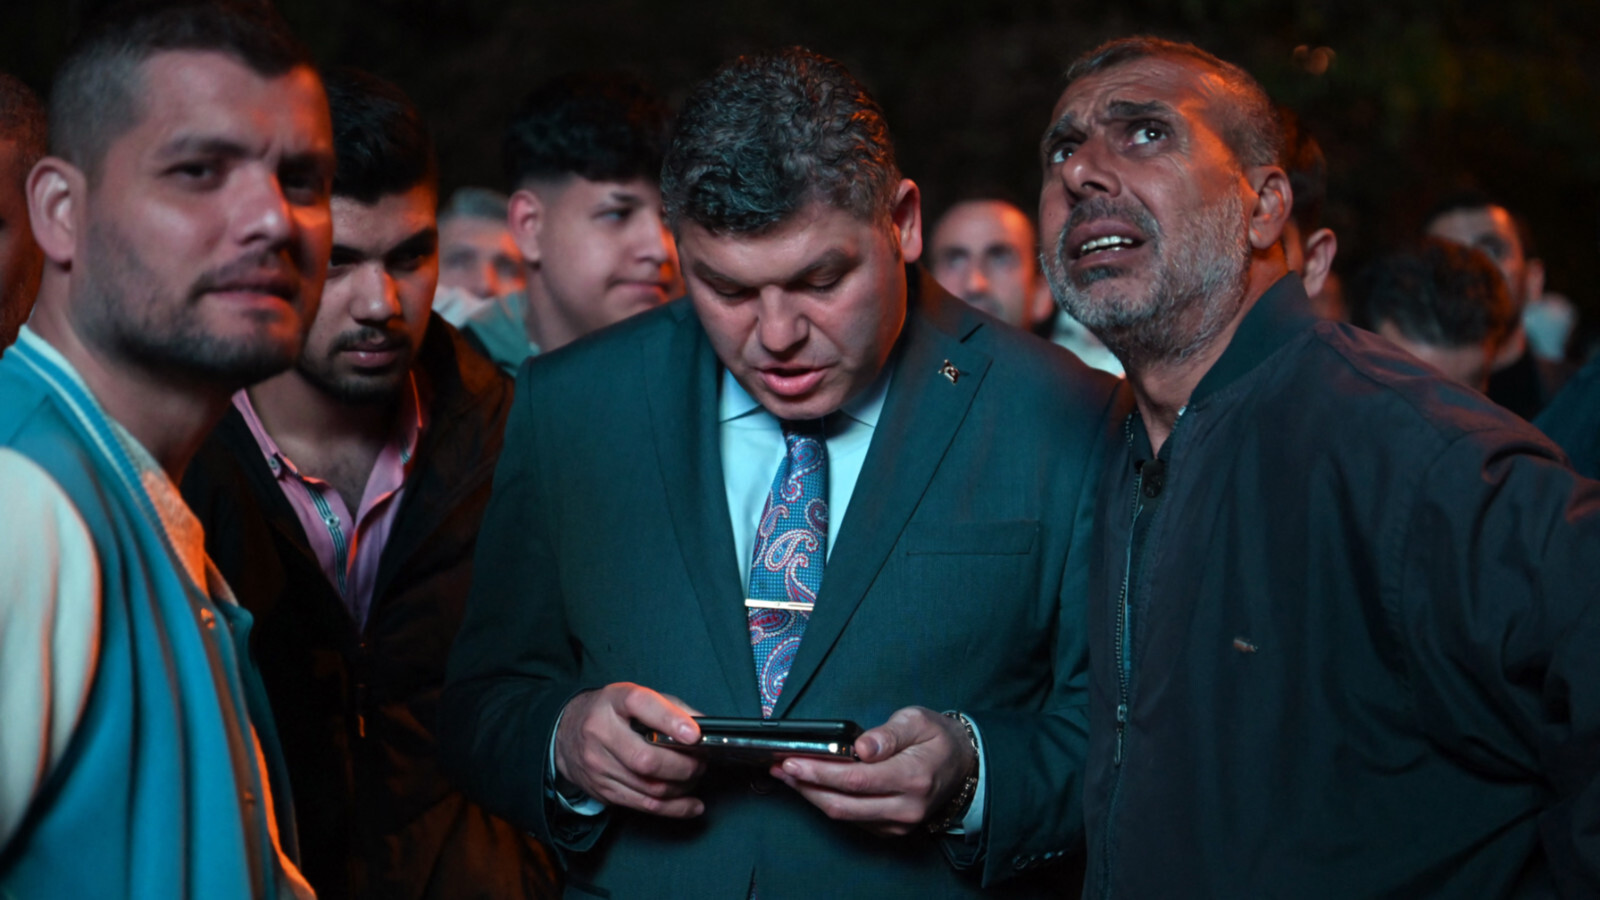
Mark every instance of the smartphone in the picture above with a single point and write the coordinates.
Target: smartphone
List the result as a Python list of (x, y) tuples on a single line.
[(765, 741)]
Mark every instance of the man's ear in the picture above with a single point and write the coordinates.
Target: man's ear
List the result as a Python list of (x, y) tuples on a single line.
[(1274, 201), (55, 193), (907, 219), (1320, 247), (525, 214)]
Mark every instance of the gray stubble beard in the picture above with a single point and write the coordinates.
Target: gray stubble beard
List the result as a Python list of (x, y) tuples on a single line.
[(1196, 294)]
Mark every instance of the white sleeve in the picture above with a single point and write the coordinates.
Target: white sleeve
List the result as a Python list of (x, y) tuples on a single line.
[(49, 630)]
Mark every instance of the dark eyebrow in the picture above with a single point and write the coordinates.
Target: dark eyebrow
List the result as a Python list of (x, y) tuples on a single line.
[(706, 273), (1116, 111), (625, 197), (1061, 128), (422, 243), (1119, 110), (195, 144), (834, 257)]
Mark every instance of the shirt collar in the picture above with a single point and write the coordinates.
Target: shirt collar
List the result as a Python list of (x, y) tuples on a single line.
[(734, 402), (1278, 315), (408, 427), (183, 529)]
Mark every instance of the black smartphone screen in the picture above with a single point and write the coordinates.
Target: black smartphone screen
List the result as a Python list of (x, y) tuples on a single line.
[(764, 741)]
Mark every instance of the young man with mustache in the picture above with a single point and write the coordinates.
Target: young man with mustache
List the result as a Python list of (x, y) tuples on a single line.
[(343, 498), (183, 213)]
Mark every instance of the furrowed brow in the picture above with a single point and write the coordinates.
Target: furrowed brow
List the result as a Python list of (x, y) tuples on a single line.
[(423, 242), (1064, 127), (1122, 110)]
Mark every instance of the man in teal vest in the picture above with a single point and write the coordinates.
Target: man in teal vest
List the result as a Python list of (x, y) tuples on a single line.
[(184, 218)]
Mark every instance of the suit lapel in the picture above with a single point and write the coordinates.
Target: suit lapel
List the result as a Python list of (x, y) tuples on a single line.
[(921, 415), (682, 391)]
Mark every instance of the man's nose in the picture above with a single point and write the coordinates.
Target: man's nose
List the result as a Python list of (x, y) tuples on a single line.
[(976, 281), (783, 325), (377, 295), (484, 282), (1091, 170), (261, 213), (654, 241)]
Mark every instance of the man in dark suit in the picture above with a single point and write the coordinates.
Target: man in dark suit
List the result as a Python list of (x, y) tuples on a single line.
[(915, 565)]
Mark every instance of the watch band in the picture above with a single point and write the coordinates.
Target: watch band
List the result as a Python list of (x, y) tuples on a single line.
[(956, 809)]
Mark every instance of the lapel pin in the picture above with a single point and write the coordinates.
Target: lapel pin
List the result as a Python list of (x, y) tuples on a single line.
[(950, 371)]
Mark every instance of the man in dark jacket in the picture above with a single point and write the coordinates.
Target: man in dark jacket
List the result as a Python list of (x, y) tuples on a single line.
[(343, 498), (1342, 622)]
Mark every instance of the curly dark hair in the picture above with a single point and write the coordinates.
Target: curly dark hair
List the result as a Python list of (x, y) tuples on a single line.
[(1441, 293), (768, 134), (602, 126)]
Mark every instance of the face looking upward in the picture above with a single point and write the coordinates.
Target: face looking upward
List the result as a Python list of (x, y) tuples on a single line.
[(375, 307), (599, 252), (804, 315), (203, 232), (1145, 209), (983, 252)]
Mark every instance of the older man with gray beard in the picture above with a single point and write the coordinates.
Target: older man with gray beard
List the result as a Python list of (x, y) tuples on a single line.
[(1341, 624)]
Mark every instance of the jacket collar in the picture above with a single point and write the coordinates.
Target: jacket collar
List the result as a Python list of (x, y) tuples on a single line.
[(1281, 313)]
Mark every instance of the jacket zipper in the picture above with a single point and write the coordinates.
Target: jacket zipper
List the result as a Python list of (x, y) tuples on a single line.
[(1124, 653), (1124, 658)]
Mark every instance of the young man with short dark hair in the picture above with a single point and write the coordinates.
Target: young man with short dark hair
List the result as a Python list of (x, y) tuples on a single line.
[(583, 154), (1443, 303), (183, 214), (343, 498)]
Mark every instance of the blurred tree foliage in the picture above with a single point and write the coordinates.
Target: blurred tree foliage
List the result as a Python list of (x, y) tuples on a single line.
[(1410, 99)]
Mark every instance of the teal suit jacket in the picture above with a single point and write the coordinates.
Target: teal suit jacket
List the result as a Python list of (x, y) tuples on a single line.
[(957, 582)]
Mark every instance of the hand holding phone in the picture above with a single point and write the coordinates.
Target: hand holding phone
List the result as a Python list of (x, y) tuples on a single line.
[(765, 741), (597, 749)]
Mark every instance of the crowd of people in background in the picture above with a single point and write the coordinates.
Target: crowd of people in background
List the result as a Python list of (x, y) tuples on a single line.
[(364, 542)]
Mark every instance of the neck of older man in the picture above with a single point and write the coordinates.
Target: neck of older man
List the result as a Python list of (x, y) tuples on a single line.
[(167, 413), (1162, 387)]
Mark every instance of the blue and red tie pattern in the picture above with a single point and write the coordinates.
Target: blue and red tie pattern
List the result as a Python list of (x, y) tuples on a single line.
[(791, 545)]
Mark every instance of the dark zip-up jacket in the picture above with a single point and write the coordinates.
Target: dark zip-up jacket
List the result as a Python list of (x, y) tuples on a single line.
[(1573, 420), (1359, 654), (356, 709)]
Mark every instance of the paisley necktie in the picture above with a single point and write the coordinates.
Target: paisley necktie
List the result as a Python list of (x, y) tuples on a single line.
[(790, 547)]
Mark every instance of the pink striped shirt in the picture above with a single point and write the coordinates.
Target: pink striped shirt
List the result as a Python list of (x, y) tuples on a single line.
[(348, 547)]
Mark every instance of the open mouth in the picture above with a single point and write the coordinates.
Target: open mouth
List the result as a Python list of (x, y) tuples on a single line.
[(1105, 244), (791, 381)]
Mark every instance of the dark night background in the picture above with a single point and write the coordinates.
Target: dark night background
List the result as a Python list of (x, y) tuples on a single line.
[(1409, 99)]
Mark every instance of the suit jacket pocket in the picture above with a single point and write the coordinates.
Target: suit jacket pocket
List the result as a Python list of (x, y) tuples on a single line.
[(1012, 538)]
